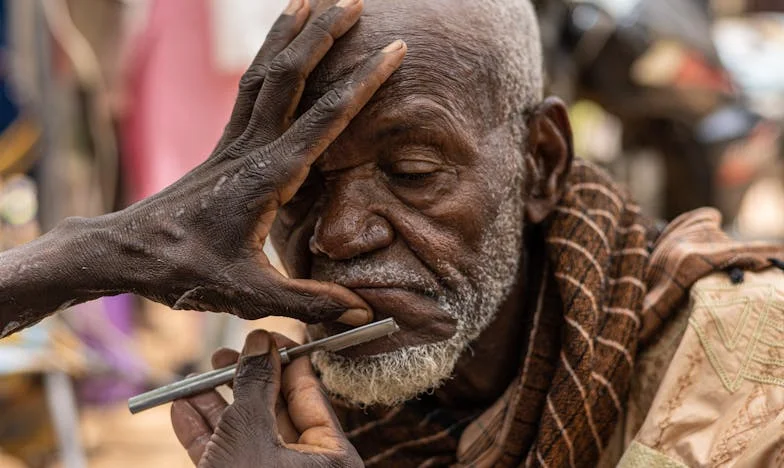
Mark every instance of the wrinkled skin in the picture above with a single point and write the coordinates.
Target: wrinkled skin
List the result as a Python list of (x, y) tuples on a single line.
[(280, 417), (197, 244), (415, 179), (412, 181)]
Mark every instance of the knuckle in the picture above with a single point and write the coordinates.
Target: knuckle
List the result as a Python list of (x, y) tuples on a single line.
[(252, 79), (323, 308), (331, 102), (280, 32), (240, 422), (287, 66), (258, 169), (257, 369), (318, 308), (323, 24), (302, 387)]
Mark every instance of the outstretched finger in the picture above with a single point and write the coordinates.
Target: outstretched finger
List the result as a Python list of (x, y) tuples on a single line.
[(288, 159), (285, 79), (285, 29)]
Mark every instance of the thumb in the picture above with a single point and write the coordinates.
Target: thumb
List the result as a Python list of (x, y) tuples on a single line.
[(356, 311), (257, 381), (308, 301), (247, 429)]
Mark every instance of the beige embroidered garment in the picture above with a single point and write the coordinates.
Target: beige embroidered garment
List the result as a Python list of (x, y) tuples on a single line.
[(721, 400), (603, 295)]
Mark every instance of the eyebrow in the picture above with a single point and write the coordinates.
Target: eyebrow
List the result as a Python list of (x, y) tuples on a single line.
[(421, 115), (395, 130)]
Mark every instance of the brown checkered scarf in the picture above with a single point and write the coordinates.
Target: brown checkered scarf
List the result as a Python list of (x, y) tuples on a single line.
[(603, 294)]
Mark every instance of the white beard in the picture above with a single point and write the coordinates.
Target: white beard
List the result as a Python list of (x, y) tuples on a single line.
[(395, 377)]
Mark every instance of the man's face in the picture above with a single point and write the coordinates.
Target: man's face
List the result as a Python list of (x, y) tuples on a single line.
[(417, 208)]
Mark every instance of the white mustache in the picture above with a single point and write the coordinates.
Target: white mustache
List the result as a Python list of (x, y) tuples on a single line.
[(368, 273)]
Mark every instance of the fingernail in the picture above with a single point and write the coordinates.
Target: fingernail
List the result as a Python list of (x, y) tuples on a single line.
[(356, 317), (293, 7), (397, 45), (345, 3), (256, 344)]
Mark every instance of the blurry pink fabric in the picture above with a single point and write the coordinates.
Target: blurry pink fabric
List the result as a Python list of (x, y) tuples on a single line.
[(178, 102)]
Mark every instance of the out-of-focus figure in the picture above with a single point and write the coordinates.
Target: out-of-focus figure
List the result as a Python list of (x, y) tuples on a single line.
[(654, 66), (752, 47)]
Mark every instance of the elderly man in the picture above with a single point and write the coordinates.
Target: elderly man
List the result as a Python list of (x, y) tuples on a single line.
[(544, 319), (524, 282)]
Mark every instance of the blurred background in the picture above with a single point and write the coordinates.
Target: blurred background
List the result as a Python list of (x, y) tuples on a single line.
[(105, 102)]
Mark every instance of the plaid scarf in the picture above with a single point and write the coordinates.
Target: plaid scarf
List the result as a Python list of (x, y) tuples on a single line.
[(606, 290)]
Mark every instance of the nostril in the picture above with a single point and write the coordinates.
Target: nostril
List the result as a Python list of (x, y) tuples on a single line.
[(313, 243), (314, 247)]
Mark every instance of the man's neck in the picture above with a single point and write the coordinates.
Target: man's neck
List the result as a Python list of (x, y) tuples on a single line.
[(485, 370)]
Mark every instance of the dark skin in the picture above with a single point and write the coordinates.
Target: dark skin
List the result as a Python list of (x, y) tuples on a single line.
[(279, 417), (197, 244), (405, 184), (411, 182)]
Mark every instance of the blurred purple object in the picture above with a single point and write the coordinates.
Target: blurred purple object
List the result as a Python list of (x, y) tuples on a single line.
[(105, 326)]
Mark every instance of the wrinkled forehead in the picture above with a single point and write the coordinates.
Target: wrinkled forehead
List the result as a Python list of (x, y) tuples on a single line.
[(448, 61)]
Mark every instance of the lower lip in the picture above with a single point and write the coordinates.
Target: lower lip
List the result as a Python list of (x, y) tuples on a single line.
[(420, 319)]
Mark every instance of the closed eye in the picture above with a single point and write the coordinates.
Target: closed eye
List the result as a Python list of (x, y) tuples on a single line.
[(412, 176), (412, 170)]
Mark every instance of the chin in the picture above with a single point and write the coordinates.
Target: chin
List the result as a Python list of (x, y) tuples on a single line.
[(390, 378)]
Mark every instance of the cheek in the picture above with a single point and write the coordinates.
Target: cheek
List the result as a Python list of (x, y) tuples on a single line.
[(468, 209), (447, 236), (443, 226), (473, 201)]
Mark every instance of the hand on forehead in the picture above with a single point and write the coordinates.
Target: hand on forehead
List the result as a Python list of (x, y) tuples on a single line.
[(481, 59)]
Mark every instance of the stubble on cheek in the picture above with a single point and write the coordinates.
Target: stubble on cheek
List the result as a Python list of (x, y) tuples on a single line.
[(400, 375)]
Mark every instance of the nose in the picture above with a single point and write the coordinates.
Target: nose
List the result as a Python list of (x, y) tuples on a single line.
[(346, 228)]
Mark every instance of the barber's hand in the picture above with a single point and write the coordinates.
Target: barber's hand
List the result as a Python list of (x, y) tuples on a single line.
[(276, 420), (198, 244)]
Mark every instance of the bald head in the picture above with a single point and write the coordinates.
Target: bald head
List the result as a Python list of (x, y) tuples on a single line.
[(483, 57)]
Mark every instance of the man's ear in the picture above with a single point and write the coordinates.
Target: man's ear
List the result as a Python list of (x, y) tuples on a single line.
[(551, 153)]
